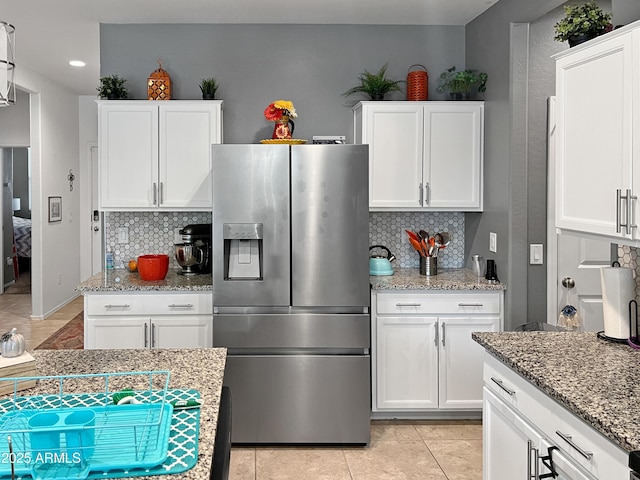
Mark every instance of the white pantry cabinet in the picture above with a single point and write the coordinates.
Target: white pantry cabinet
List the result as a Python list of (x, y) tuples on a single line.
[(424, 358), (520, 425), (423, 155), (597, 136), (148, 320), (156, 155)]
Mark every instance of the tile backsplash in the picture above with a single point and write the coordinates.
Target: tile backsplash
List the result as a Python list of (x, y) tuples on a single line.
[(388, 229), (628, 257), (149, 232), (153, 232)]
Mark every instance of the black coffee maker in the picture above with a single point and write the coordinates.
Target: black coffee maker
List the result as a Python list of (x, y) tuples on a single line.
[(194, 253)]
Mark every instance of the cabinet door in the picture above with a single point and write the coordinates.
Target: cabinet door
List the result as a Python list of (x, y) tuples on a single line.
[(122, 332), (453, 154), (395, 134), (181, 331), (508, 441), (461, 361), (407, 363), (186, 135), (593, 136), (128, 156)]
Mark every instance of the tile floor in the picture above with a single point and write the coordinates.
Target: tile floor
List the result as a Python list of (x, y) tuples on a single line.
[(399, 450)]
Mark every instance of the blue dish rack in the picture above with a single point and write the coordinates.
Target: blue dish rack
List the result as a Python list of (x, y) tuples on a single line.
[(63, 434)]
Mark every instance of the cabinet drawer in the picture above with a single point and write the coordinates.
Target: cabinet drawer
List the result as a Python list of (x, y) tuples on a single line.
[(440, 303), (148, 304)]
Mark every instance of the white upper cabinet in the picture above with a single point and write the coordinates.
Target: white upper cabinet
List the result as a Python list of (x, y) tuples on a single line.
[(156, 155), (423, 155), (596, 136)]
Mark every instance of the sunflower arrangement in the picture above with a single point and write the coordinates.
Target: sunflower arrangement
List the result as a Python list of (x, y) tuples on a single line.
[(278, 109)]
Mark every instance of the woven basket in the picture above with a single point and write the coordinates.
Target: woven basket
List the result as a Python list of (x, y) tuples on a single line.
[(417, 82)]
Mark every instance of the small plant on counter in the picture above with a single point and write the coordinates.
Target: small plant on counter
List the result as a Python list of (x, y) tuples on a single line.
[(582, 22), (461, 84), (112, 87), (376, 85), (208, 87)]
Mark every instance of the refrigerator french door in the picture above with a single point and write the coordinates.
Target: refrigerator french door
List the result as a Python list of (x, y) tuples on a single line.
[(291, 290)]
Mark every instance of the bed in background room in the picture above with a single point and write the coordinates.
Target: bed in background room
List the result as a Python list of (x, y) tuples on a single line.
[(22, 234)]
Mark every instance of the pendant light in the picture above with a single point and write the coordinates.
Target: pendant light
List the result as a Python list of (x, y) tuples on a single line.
[(7, 65)]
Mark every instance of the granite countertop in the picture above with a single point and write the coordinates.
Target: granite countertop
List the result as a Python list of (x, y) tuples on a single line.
[(202, 369), (447, 279), (595, 379), (121, 280)]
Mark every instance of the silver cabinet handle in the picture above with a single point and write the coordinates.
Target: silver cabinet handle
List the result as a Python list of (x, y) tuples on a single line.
[(471, 304), (181, 305), (628, 199), (567, 438), (420, 190), (124, 305), (501, 385), (400, 305), (155, 193), (146, 335), (532, 474), (161, 193), (443, 324), (153, 335), (435, 340), (427, 194)]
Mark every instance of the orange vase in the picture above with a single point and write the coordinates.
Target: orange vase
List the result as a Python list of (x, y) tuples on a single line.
[(283, 128)]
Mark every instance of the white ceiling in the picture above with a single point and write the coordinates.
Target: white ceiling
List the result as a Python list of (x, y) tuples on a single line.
[(50, 33)]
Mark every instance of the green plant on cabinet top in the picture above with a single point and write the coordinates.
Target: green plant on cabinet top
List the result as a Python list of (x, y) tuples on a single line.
[(376, 85)]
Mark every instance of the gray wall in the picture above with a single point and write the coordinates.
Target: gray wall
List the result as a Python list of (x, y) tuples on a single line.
[(516, 57), (312, 65)]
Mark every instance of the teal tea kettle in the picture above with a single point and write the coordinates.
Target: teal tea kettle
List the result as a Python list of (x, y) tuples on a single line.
[(380, 264)]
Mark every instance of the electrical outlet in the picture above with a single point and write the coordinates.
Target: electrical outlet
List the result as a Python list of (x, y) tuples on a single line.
[(9, 261), (493, 242), (177, 237), (123, 235)]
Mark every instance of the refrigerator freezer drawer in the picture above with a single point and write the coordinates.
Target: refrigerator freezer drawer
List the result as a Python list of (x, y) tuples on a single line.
[(311, 399), (292, 331)]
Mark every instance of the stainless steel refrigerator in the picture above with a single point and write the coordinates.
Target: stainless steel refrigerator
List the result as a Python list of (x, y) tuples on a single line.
[(291, 291)]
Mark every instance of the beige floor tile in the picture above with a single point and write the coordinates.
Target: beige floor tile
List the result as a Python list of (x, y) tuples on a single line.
[(450, 432), (393, 432), (393, 460), (243, 464), (301, 463), (459, 459)]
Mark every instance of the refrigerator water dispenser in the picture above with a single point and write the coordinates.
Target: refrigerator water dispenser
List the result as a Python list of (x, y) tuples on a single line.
[(242, 251)]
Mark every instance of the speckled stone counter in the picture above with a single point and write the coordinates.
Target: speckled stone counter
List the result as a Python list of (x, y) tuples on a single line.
[(202, 369), (121, 280), (595, 379), (447, 279)]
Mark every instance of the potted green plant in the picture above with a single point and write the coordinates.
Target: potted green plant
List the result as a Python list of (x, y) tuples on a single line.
[(208, 87), (582, 22), (461, 83), (376, 85), (112, 87)]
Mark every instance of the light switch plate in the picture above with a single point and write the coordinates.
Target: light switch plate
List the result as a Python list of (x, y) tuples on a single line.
[(493, 242), (123, 235), (536, 254)]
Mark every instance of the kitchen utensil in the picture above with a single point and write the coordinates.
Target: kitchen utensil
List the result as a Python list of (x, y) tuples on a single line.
[(437, 243), (413, 235), (417, 246), (424, 234), (477, 265), (381, 264), (446, 239), (492, 271), (153, 267), (12, 344)]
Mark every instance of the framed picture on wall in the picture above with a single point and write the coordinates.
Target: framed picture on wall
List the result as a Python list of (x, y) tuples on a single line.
[(55, 209)]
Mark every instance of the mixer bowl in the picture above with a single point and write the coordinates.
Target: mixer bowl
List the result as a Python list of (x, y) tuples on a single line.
[(188, 255)]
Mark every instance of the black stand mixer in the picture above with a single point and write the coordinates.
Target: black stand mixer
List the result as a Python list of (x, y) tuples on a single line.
[(194, 253)]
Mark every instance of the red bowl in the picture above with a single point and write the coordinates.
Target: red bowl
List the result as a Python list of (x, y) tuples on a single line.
[(153, 267)]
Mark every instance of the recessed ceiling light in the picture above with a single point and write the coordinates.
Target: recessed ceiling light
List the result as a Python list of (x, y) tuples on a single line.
[(77, 63)]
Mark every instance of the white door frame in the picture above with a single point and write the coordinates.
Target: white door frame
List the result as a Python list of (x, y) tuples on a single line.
[(552, 236)]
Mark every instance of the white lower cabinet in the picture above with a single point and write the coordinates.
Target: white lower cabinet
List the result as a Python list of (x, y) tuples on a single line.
[(525, 433), (424, 358), (148, 321)]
